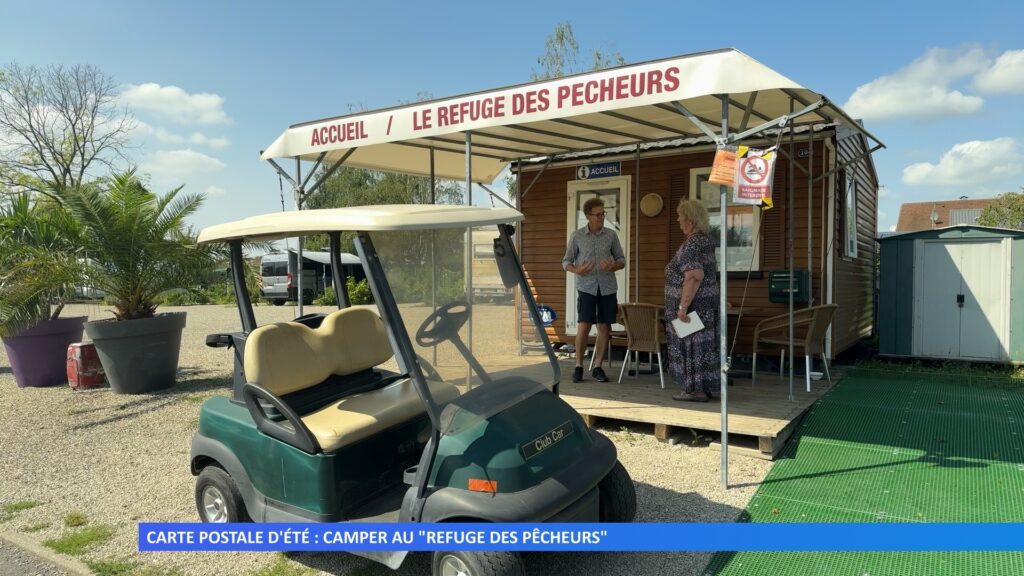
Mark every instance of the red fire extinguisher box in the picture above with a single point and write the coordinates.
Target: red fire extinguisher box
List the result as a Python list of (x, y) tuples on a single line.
[(84, 368)]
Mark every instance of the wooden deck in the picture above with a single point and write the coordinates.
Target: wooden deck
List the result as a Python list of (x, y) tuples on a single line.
[(761, 417)]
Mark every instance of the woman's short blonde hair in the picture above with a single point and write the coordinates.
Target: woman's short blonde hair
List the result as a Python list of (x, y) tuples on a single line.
[(695, 213)]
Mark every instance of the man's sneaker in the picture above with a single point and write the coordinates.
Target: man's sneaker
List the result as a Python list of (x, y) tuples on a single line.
[(598, 374), (577, 374)]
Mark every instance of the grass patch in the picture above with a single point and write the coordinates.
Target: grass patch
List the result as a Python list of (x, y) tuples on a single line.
[(36, 527), (112, 567), (194, 399), (947, 367), (284, 567), (15, 507), (77, 542), (75, 519), (127, 567)]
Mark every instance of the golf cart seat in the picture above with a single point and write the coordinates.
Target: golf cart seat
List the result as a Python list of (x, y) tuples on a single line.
[(285, 358)]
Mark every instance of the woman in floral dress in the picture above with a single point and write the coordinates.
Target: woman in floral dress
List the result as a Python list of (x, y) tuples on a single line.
[(691, 284)]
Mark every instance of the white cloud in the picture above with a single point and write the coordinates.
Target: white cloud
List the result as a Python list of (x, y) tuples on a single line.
[(921, 89), (176, 104), (199, 138), (1005, 75), (969, 163), (215, 143), (180, 163), (214, 191)]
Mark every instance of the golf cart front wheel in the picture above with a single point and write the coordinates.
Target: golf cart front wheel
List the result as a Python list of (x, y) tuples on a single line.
[(217, 497), (478, 564), (617, 496)]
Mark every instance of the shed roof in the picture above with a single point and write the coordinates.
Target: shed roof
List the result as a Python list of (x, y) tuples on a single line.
[(961, 231)]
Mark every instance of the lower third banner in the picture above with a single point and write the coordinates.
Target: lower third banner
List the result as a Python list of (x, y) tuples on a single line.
[(181, 537)]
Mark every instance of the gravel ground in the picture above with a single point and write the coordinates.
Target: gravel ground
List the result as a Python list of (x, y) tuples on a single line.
[(120, 460)]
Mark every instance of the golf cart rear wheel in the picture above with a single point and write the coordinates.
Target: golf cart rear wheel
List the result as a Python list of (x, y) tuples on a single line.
[(478, 564), (217, 497), (617, 496)]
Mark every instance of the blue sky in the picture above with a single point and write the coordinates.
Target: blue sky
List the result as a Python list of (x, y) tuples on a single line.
[(211, 84)]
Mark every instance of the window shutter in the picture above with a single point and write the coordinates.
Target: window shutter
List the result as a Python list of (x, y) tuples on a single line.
[(773, 222), (678, 188)]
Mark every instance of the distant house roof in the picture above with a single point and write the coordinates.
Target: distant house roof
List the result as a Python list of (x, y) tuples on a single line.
[(916, 216)]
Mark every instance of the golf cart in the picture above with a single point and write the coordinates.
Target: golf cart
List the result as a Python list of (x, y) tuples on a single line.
[(419, 408)]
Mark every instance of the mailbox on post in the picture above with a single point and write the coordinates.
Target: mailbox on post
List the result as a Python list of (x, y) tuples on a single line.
[(782, 282)]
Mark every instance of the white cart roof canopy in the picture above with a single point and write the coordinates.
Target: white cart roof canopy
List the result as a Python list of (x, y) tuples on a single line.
[(612, 107), (391, 217)]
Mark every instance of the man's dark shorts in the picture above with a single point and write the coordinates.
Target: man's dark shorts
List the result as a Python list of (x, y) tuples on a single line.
[(598, 309)]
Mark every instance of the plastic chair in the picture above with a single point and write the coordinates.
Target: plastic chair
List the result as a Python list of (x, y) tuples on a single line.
[(812, 322), (644, 333)]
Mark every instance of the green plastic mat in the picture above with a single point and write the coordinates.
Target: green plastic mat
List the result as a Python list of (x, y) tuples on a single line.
[(895, 448)]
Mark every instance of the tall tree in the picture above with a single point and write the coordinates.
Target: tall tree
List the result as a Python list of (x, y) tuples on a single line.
[(1006, 212), (560, 58), (562, 54), (55, 124)]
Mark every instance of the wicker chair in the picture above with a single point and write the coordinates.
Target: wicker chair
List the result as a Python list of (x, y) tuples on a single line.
[(644, 333), (809, 327)]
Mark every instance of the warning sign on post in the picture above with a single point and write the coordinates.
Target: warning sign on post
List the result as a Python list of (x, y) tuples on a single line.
[(754, 176)]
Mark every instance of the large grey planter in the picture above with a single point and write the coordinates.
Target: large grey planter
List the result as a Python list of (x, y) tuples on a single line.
[(139, 356)]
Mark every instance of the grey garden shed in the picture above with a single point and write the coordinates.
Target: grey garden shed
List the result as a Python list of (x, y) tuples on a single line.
[(950, 293)]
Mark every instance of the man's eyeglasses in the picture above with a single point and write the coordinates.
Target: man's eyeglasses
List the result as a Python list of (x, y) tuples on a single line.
[(597, 214)]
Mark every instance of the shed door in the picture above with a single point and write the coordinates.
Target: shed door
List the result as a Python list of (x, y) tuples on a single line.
[(982, 281), (960, 305)]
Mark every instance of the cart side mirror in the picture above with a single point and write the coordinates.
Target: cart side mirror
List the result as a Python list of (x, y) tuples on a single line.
[(219, 340), (504, 254)]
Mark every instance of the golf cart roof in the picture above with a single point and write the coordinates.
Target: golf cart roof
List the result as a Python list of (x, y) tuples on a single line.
[(393, 217)]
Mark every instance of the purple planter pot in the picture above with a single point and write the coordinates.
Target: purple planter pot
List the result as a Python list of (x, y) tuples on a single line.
[(38, 355)]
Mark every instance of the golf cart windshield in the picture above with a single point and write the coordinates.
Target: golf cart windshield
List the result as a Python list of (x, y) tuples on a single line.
[(466, 323)]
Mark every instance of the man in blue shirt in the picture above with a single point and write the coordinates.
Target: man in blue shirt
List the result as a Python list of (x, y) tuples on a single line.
[(593, 255)]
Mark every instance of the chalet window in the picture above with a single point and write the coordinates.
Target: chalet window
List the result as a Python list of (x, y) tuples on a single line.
[(742, 221), (850, 215)]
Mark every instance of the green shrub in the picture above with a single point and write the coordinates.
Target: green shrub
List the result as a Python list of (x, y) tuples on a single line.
[(358, 293)]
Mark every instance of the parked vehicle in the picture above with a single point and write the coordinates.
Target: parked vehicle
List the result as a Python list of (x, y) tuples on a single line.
[(342, 417), (279, 271)]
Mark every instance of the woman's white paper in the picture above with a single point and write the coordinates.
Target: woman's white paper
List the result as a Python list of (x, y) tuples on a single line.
[(684, 329)]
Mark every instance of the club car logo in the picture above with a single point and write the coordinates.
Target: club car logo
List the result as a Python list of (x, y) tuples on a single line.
[(546, 441)]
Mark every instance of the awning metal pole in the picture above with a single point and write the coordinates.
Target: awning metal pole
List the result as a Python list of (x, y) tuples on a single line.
[(495, 197), (810, 214), (704, 127), (790, 200), (298, 204), (469, 248), (723, 266)]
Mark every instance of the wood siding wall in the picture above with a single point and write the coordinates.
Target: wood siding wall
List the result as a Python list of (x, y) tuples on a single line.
[(854, 284), (654, 240)]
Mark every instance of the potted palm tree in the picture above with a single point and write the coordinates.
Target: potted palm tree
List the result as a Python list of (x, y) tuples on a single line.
[(38, 272), (138, 245)]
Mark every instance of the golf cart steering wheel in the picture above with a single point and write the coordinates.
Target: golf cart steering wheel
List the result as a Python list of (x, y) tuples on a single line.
[(444, 324)]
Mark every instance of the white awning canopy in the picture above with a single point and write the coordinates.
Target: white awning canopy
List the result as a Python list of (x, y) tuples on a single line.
[(613, 107), (396, 217)]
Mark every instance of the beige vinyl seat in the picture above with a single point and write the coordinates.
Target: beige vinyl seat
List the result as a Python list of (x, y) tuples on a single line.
[(645, 332), (809, 328), (287, 357)]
